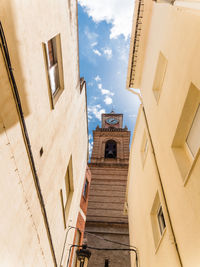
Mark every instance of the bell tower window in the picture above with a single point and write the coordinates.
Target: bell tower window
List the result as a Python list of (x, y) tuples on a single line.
[(111, 149)]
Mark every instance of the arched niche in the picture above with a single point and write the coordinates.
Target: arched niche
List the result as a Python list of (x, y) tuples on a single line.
[(110, 149)]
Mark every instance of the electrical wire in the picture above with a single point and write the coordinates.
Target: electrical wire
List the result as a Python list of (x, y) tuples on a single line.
[(104, 249), (108, 240), (111, 241), (134, 249)]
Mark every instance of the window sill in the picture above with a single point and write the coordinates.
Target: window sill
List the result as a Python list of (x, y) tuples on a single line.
[(183, 161), (157, 93), (191, 168), (56, 96), (143, 158), (160, 241)]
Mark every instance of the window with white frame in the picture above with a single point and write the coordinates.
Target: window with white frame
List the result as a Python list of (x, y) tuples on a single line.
[(52, 50), (157, 220)]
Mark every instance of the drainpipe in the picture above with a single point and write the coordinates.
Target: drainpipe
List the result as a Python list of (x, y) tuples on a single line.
[(159, 177)]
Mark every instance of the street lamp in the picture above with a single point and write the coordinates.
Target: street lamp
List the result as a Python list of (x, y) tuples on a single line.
[(83, 256)]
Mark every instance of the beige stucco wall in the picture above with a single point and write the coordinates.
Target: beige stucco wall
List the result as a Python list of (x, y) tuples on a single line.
[(173, 31), (61, 132), (143, 185)]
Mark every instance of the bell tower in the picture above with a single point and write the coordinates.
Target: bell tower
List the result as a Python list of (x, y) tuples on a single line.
[(111, 141), (109, 169)]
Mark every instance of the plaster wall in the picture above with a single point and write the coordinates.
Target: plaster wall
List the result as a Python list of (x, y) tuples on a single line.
[(173, 31), (178, 41), (143, 186), (61, 132)]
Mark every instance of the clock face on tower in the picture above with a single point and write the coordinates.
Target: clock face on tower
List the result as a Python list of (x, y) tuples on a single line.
[(112, 121)]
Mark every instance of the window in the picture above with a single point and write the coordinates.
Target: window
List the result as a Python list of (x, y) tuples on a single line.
[(106, 263), (82, 84), (111, 149), (193, 138), (85, 189), (159, 76), (67, 193), (157, 220), (144, 148), (53, 65), (161, 220), (53, 57), (186, 142)]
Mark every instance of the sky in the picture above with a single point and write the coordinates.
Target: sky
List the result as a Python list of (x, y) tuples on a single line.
[(104, 38)]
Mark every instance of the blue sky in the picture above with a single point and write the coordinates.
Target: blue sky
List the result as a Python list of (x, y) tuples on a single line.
[(104, 37)]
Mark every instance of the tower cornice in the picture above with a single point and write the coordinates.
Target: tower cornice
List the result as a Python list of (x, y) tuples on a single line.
[(108, 165), (112, 130)]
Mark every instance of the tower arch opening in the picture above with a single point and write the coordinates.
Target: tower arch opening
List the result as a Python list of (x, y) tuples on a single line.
[(111, 149)]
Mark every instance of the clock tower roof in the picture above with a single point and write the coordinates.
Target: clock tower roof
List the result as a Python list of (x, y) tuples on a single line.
[(112, 120)]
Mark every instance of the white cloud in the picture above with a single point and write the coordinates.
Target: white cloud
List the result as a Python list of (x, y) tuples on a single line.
[(97, 78), (89, 117), (96, 111), (97, 52), (91, 36), (90, 148), (100, 86), (104, 91), (94, 44), (90, 84), (90, 144), (117, 12), (107, 52), (108, 100), (123, 53), (132, 115)]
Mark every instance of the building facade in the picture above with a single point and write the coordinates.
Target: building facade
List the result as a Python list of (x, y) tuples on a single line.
[(43, 137), (105, 215), (163, 191), (80, 223)]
